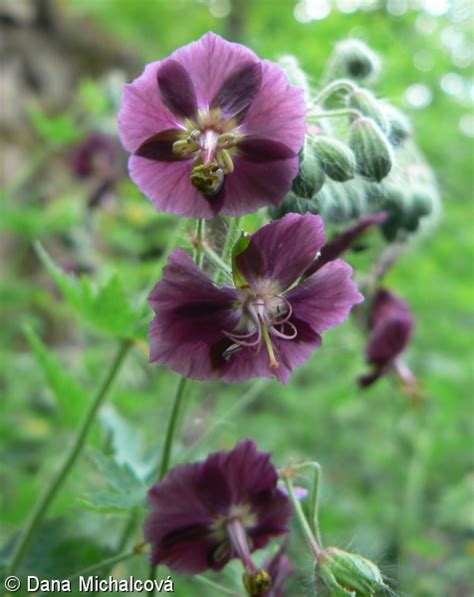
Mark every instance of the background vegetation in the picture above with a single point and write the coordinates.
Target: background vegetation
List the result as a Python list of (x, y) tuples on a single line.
[(398, 484)]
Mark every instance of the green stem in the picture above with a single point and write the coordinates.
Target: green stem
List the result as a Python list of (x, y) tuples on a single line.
[(234, 226), (108, 563), (314, 502), (166, 456), (222, 267), (199, 250), (334, 114), (45, 500), (214, 585), (152, 577), (305, 527), (338, 85)]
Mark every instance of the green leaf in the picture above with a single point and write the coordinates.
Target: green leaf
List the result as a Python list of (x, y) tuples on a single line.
[(105, 307), (239, 247), (54, 129), (68, 393), (124, 490)]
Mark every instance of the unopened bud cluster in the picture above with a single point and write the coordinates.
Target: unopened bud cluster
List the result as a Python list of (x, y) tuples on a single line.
[(359, 157)]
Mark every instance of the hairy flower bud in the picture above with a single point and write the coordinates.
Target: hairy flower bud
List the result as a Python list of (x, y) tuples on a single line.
[(422, 201), (372, 150), (336, 158), (367, 104), (399, 125), (310, 177), (350, 574), (294, 72), (353, 58)]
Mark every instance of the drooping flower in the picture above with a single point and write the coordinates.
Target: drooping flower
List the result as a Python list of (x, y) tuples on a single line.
[(96, 159), (344, 241), (212, 128), (267, 324), (391, 326), (205, 513)]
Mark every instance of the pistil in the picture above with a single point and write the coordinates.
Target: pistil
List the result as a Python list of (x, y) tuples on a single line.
[(273, 363)]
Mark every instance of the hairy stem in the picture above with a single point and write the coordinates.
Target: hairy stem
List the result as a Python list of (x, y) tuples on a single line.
[(338, 85), (305, 527), (170, 431), (232, 230), (47, 497)]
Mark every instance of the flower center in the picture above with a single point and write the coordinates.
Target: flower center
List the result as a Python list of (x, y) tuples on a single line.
[(265, 314), (210, 139)]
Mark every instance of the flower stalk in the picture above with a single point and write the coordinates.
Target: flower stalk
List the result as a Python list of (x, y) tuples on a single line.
[(46, 499)]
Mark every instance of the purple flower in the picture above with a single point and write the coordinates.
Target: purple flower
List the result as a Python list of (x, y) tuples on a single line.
[(212, 129), (266, 325), (206, 513), (391, 326), (96, 156)]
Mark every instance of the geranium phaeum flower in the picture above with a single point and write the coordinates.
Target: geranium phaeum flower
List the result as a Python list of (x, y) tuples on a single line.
[(212, 128), (205, 513), (266, 325), (391, 326)]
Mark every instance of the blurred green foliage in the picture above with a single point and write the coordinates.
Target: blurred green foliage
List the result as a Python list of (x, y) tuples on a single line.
[(397, 475)]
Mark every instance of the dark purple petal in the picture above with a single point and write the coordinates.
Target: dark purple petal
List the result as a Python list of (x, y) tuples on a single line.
[(253, 185), (178, 525), (248, 472), (279, 111), (325, 299), (279, 568), (159, 147), (344, 241), (176, 88), (391, 323), (142, 112), (239, 90), (388, 339), (191, 314), (264, 150), (273, 514), (167, 185), (288, 246), (84, 155)]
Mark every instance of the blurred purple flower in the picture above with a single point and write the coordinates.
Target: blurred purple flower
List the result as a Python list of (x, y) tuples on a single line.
[(206, 513), (265, 326), (343, 242), (391, 326), (96, 155), (212, 128), (279, 568), (96, 158)]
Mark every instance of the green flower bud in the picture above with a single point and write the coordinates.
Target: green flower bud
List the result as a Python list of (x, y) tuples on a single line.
[(295, 73), (399, 125), (336, 159), (422, 201), (372, 150), (353, 58), (293, 204), (367, 104), (310, 177), (349, 574)]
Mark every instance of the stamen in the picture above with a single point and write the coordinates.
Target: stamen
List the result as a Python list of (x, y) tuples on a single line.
[(289, 313), (225, 161), (282, 335), (274, 364)]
